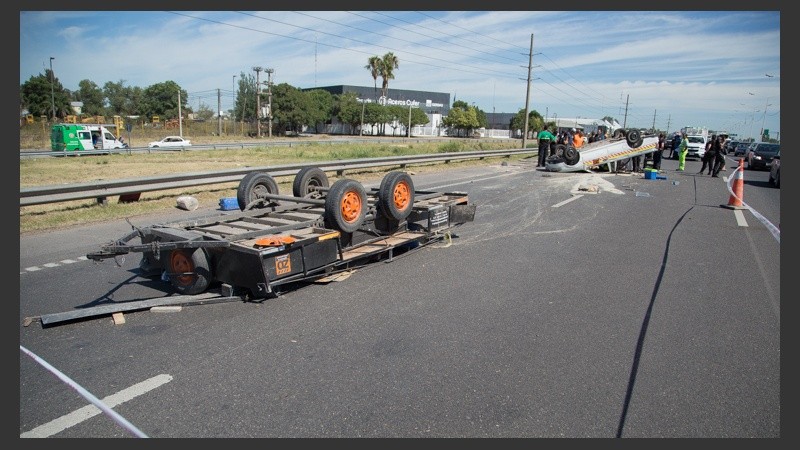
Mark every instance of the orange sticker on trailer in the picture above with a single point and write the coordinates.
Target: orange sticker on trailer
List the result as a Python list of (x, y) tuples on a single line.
[(283, 265)]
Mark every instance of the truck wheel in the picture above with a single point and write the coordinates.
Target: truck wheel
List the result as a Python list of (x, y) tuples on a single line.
[(396, 195), (345, 205), (189, 271), (571, 155), (634, 137), (308, 177), (254, 186)]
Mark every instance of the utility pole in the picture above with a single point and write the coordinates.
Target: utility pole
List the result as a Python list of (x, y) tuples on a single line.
[(219, 114), (764, 120), (409, 120), (180, 118), (258, 70), (527, 95), (52, 89), (625, 120), (269, 97), (361, 129), (669, 120), (233, 113), (654, 120)]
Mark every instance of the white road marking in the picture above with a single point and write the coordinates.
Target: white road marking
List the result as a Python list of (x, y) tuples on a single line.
[(62, 423), (740, 220), (574, 197), (52, 265)]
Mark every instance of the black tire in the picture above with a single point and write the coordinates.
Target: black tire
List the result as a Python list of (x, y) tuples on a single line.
[(618, 133), (253, 186), (345, 205), (306, 178), (632, 137), (189, 271), (571, 155), (560, 149), (396, 195)]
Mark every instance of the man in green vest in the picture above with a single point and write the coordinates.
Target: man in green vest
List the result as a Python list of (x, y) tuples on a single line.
[(546, 139), (683, 149)]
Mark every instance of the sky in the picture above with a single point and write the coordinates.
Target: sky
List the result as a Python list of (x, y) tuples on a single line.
[(662, 69)]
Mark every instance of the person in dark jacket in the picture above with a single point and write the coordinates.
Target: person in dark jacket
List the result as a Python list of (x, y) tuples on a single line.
[(676, 142), (719, 157), (662, 140), (710, 155)]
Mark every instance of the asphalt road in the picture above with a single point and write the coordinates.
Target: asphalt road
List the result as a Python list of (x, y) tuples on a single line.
[(641, 310)]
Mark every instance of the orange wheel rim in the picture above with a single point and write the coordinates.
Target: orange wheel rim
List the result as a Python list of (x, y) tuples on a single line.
[(181, 264), (351, 207), (402, 195)]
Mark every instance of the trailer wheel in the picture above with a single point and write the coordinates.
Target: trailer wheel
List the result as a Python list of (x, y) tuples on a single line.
[(396, 195), (306, 178), (189, 271), (634, 137), (345, 205), (571, 155), (254, 186)]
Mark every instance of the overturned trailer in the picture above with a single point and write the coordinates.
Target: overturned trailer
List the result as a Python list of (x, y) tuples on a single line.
[(274, 240)]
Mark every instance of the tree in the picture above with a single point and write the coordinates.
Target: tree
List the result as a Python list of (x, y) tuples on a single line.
[(123, 100), (92, 97), (246, 97), (462, 118), (321, 112), (161, 99), (374, 65), (348, 109), (290, 108), (36, 96), (390, 62), (535, 121), (204, 112)]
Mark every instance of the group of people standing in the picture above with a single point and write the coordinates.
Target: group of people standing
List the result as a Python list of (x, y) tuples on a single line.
[(714, 157)]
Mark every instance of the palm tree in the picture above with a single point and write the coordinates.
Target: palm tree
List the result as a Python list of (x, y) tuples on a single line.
[(374, 64), (389, 63)]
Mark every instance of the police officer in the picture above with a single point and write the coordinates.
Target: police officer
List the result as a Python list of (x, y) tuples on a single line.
[(545, 139)]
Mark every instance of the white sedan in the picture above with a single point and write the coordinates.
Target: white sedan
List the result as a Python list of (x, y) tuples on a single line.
[(170, 141)]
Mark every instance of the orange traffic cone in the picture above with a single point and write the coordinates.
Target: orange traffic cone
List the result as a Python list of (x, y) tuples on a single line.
[(735, 200)]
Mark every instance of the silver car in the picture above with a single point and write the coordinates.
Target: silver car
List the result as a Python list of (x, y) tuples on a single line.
[(775, 170)]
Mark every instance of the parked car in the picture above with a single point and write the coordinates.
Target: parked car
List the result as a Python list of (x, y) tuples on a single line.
[(760, 155), (170, 141), (730, 147), (741, 149), (775, 170)]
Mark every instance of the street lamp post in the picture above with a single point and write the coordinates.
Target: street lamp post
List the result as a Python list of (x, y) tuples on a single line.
[(52, 89), (764, 120), (233, 112)]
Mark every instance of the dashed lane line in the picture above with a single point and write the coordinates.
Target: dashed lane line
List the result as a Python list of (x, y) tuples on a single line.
[(63, 262)]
